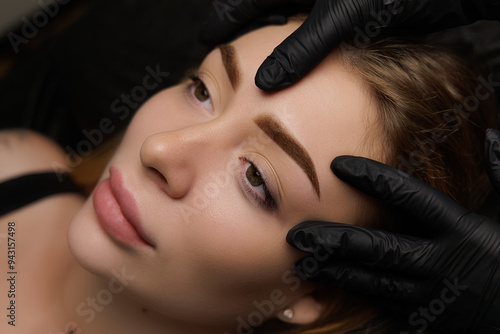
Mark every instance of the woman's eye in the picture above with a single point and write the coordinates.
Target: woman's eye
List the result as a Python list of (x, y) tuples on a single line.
[(253, 176), (200, 93), (257, 186)]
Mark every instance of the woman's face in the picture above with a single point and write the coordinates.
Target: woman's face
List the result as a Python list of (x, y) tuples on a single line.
[(216, 171)]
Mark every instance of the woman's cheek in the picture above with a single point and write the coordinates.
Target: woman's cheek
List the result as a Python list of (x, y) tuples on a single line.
[(247, 245)]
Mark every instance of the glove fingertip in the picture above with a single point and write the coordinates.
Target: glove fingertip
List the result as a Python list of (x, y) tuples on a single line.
[(291, 236), (343, 164), (356, 171), (271, 76), (298, 239)]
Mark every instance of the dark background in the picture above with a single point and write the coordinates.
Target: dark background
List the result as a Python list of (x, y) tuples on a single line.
[(65, 79)]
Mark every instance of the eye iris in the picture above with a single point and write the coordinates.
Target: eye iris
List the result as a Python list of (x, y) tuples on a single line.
[(201, 92), (253, 176)]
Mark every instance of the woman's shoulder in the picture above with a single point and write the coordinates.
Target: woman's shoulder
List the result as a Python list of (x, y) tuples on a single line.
[(32, 168), (29, 162), (33, 237), (24, 151)]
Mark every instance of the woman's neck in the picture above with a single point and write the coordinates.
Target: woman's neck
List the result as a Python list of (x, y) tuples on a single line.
[(96, 305)]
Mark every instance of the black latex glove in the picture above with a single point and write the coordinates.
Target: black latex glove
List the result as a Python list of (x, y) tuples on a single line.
[(332, 21), (449, 283)]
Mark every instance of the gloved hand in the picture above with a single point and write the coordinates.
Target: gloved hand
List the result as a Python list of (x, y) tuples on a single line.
[(332, 21), (449, 283)]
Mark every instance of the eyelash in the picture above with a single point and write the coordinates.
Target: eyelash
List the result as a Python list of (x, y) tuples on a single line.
[(268, 203)]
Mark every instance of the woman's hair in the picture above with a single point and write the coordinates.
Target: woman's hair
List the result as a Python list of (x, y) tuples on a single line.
[(433, 112)]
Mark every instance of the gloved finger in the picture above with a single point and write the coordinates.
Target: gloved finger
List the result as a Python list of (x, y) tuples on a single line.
[(418, 199), (492, 157), (305, 48), (375, 248), (362, 279), (231, 16)]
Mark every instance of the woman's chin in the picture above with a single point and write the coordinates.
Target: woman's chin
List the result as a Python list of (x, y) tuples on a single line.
[(89, 244)]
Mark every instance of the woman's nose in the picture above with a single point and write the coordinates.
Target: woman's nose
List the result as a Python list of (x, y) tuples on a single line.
[(175, 159)]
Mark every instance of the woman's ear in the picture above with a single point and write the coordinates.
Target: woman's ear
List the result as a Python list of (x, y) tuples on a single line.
[(303, 311)]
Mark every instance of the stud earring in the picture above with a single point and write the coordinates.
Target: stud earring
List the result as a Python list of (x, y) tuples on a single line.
[(288, 314)]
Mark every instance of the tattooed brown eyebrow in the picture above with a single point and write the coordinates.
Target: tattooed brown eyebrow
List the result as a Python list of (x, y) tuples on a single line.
[(275, 130)]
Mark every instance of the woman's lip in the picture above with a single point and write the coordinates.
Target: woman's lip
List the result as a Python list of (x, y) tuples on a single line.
[(117, 211)]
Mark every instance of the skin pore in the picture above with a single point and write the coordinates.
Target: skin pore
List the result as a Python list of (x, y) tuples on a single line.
[(193, 162)]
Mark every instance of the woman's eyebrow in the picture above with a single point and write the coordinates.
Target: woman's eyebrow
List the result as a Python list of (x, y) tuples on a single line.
[(290, 145), (269, 124), (230, 62)]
